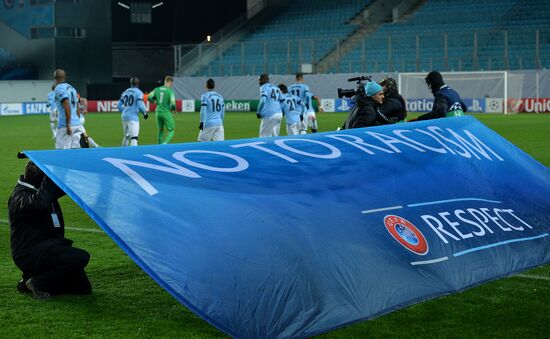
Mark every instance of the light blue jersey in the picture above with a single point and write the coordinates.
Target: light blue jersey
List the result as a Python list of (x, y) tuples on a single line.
[(292, 108), (270, 100), (51, 101), (302, 91), (131, 103), (212, 109), (64, 91)]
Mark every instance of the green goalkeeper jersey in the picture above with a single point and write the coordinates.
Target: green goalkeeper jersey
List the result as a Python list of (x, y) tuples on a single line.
[(164, 98)]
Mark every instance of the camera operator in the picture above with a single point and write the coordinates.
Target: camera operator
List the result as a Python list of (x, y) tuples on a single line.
[(393, 109), (368, 98), (447, 102)]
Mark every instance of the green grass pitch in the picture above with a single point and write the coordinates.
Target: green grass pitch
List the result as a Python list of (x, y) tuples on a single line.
[(126, 303)]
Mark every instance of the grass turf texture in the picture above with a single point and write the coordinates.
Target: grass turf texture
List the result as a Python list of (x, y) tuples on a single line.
[(126, 303)]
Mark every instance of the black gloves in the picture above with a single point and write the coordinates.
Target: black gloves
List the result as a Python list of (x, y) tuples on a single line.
[(201, 126), (301, 117), (258, 116), (145, 116)]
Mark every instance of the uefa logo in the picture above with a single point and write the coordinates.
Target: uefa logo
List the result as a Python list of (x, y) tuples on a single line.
[(406, 234)]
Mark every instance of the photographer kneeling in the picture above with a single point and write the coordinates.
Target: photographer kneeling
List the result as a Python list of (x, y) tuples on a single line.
[(365, 112)]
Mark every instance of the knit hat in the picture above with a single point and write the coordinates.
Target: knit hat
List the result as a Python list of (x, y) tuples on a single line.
[(372, 87)]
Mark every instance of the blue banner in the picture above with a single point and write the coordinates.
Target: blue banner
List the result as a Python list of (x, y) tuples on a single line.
[(295, 236)]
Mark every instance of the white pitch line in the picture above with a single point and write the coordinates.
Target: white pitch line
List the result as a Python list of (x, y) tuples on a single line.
[(92, 230), (381, 209), (535, 277), (426, 262)]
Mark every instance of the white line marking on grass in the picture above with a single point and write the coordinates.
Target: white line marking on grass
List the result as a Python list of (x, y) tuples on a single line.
[(535, 277), (381, 209), (92, 230)]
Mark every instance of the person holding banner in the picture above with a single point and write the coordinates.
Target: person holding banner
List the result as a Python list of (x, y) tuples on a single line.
[(269, 108), (50, 265), (212, 114), (447, 102)]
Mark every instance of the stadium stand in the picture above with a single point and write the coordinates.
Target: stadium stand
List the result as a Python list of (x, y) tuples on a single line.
[(6, 59), (475, 32), (300, 32)]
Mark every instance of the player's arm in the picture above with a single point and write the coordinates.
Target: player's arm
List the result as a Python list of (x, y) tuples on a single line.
[(120, 104), (172, 102), (315, 97), (67, 109), (204, 108), (152, 96), (140, 105), (307, 99), (261, 106), (301, 108)]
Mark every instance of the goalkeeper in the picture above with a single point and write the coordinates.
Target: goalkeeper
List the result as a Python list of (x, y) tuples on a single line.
[(165, 100)]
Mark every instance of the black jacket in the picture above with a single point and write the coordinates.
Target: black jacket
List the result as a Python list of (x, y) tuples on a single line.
[(394, 109), (363, 114), (444, 99), (31, 221)]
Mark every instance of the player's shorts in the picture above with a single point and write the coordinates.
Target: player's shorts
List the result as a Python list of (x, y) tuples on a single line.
[(214, 133), (165, 120), (271, 126), (130, 128), (310, 120), (65, 141), (53, 115), (293, 129)]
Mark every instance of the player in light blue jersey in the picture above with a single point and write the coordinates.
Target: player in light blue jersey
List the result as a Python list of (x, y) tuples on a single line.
[(269, 108), (53, 111), (293, 110), (212, 114), (302, 91), (130, 104), (69, 127)]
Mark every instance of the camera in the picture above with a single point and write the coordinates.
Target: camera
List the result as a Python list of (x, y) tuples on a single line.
[(349, 93)]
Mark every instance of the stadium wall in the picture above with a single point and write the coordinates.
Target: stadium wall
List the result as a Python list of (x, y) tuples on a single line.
[(528, 91)]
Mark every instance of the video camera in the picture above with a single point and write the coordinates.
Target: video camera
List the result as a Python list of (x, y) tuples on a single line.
[(348, 93)]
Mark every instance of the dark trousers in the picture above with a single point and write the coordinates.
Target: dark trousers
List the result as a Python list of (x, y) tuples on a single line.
[(59, 269)]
